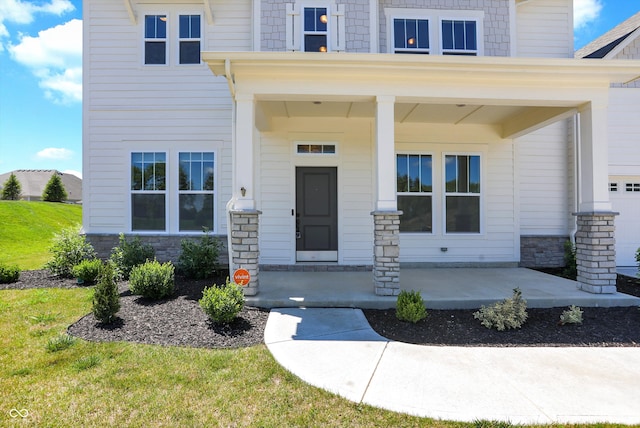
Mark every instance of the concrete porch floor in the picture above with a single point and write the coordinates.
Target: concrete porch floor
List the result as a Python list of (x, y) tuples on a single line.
[(441, 288)]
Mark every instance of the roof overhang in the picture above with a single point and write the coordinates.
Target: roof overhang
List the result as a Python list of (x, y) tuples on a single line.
[(516, 95)]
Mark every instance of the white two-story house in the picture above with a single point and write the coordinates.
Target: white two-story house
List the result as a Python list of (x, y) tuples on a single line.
[(354, 134)]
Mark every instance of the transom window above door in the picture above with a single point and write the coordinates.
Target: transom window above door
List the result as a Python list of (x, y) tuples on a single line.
[(435, 32)]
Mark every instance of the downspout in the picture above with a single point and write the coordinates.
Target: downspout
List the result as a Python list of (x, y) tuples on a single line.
[(577, 175), (232, 201)]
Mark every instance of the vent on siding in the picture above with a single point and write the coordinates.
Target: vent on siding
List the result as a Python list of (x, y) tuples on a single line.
[(632, 187), (316, 149), (613, 187)]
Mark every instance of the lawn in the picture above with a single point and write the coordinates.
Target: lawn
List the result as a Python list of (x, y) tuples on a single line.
[(124, 384), (28, 227)]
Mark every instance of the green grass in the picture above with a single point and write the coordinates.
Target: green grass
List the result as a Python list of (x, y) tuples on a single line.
[(28, 227)]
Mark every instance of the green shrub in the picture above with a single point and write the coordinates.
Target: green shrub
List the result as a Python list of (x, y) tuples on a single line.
[(106, 300), (199, 260), (60, 343), (638, 257), (9, 274), (152, 279), (508, 314), (87, 271), (573, 315), (570, 270), (410, 307), (69, 249), (129, 254), (222, 303)]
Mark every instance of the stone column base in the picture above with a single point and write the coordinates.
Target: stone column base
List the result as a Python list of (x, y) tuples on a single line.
[(596, 253), (386, 252), (245, 248)]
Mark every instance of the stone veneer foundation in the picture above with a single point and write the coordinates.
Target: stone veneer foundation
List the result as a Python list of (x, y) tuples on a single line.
[(542, 251), (595, 252), (244, 246), (386, 252)]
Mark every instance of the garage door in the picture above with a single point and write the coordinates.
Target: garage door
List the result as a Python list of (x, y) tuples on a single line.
[(625, 198)]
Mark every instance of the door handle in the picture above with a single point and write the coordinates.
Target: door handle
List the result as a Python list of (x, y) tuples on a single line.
[(298, 235)]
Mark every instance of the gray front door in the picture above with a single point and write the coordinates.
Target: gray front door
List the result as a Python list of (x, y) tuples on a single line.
[(317, 214)]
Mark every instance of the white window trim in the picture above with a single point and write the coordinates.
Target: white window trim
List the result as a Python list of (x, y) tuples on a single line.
[(480, 195), (172, 41), (433, 192), (435, 18)]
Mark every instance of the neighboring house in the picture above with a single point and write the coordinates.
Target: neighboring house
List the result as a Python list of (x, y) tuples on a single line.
[(307, 134), (34, 181), (623, 42)]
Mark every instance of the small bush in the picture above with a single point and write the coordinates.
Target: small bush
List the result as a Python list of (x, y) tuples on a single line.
[(129, 254), (508, 314), (410, 307), (638, 257), (106, 300), (573, 315), (199, 260), (69, 249), (222, 303), (152, 279), (570, 270), (87, 271), (60, 343), (9, 274)]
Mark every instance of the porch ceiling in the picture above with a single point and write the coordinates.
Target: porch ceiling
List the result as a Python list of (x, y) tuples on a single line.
[(511, 96)]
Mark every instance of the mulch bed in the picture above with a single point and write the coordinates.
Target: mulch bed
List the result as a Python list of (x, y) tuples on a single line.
[(179, 321)]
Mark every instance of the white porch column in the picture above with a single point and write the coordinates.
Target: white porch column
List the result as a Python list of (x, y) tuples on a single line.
[(243, 162), (385, 154), (594, 159)]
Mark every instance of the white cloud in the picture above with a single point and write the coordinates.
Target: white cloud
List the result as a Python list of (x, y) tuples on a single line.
[(54, 153), (21, 12), (73, 172), (585, 11), (55, 58)]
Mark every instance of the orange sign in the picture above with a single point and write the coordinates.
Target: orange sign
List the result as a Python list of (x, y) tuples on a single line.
[(241, 277)]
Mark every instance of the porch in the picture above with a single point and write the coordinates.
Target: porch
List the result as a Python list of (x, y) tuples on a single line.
[(441, 288)]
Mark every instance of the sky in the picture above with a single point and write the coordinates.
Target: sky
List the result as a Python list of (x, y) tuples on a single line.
[(41, 76)]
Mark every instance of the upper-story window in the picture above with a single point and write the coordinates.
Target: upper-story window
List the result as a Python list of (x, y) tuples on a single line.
[(411, 35), (189, 39), (315, 29), (435, 32), (459, 37), (155, 39), (315, 26)]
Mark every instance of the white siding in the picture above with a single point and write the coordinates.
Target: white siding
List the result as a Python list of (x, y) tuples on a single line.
[(544, 174), (624, 131), (132, 107), (545, 29)]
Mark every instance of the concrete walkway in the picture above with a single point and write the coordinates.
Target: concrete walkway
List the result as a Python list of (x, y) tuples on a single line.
[(335, 349)]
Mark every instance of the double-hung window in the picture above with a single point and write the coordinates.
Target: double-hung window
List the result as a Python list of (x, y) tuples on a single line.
[(462, 193), (315, 29), (196, 192), (415, 192), (148, 191), (189, 39), (459, 37), (155, 39), (411, 36)]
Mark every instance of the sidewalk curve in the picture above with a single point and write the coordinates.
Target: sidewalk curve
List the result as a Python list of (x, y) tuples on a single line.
[(336, 349)]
